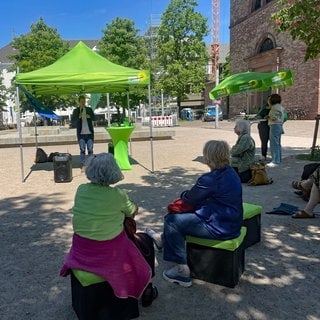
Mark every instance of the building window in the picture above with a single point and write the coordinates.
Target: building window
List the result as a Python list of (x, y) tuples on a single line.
[(266, 45), (257, 4)]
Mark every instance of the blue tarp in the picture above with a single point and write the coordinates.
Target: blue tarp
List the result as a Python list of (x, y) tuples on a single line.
[(39, 107)]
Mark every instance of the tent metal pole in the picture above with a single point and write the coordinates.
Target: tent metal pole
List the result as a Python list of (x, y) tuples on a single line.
[(150, 128), (108, 108), (35, 128), (128, 106), (20, 133)]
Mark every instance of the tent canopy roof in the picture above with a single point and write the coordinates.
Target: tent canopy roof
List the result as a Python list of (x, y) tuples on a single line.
[(81, 70)]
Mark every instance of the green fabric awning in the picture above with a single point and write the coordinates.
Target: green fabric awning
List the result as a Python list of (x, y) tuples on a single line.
[(81, 70)]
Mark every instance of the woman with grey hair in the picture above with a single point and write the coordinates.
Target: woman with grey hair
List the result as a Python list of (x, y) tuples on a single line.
[(101, 250), (243, 152), (217, 201)]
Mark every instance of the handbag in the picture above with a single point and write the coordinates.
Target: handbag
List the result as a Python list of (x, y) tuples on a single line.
[(179, 206), (130, 227), (258, 174), (139, 239)]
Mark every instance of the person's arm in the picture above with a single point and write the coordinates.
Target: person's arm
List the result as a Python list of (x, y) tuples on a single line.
[(242, 145), (74, 117), (199, 192), (90, 114)]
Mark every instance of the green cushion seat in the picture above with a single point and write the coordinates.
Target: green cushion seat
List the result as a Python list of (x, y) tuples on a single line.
[(87, 278), (229, 245), (250, 210)]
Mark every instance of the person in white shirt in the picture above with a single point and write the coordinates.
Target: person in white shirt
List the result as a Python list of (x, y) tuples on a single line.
[(83, 118)]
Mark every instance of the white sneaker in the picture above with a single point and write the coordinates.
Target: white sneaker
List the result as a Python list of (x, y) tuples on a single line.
[(272, 164)]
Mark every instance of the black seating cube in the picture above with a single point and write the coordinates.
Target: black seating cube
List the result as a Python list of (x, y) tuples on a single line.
[(252, 221), (216, 261), (98, 302)]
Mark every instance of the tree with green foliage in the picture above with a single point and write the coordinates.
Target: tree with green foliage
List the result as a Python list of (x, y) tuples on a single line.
[(3, 95), (122, 45), (301, 18), (37, 49), (181, 51)]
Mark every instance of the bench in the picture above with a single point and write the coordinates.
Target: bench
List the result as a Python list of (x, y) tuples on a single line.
[(252, 221), (217, 261)]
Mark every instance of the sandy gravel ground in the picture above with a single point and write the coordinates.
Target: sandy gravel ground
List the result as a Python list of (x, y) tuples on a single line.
[(281, 280)]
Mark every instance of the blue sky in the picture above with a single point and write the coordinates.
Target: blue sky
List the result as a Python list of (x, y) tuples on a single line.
[(77, 19)]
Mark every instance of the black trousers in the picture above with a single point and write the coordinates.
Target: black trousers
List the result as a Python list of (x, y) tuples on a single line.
[(264, 129)]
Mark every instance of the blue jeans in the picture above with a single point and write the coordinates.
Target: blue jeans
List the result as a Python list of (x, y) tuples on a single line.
[(85, 141), (275, 142), (176, 227)]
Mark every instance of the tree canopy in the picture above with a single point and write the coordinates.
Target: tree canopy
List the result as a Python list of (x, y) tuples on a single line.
[(39, 48), (301, 18), (122, 45), (181, 51)]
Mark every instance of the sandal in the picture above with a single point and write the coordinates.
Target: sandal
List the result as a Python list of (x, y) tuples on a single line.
[(296, 185), (302, 215)]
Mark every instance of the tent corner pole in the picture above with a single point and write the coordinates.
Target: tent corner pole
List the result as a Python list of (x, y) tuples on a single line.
[(150, 128), (20, 133)]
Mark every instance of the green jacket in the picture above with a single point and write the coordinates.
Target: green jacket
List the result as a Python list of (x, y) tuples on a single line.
[(243, 152)]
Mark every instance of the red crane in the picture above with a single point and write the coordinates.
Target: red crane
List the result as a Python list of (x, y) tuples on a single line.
[(215, 30)]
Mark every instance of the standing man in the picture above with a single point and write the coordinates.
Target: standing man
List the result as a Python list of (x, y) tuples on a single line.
[(264, 129), (82, 118)]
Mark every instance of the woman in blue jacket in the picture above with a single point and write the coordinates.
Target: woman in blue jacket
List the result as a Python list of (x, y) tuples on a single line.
[(217, 199)]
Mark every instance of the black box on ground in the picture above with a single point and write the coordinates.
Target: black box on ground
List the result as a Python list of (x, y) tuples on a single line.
[(217, 266), (98, 302), (253, 235), (62, 167)]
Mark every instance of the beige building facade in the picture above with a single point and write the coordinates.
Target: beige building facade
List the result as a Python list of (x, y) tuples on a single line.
[(256, 46)]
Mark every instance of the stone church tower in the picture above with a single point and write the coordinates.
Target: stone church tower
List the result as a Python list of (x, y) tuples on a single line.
[(255, 46)]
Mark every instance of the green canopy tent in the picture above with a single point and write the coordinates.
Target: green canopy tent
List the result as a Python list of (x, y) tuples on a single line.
[(80, 71)]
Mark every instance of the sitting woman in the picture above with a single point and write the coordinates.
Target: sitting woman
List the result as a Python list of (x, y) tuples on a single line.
[(217, 201), (314, 198), (101, 249), (312, 184), (243, 152), (304, 185)]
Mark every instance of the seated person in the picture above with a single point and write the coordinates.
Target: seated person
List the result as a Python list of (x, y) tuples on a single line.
[(99, 212), (243, 152), (217, 201), (314, 199), (304, 185)]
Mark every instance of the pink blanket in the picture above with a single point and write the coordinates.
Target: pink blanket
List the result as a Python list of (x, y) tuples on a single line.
[(117, 260)]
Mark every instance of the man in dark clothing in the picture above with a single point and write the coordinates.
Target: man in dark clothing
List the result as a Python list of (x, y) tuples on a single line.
[(82, 118), (263, 129)]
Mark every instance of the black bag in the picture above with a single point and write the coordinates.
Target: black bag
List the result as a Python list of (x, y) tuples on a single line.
[(41, 156), (52, 155)]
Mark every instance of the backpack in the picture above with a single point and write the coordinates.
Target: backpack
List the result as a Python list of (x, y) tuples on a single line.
[(41, 156), (258, 174)]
